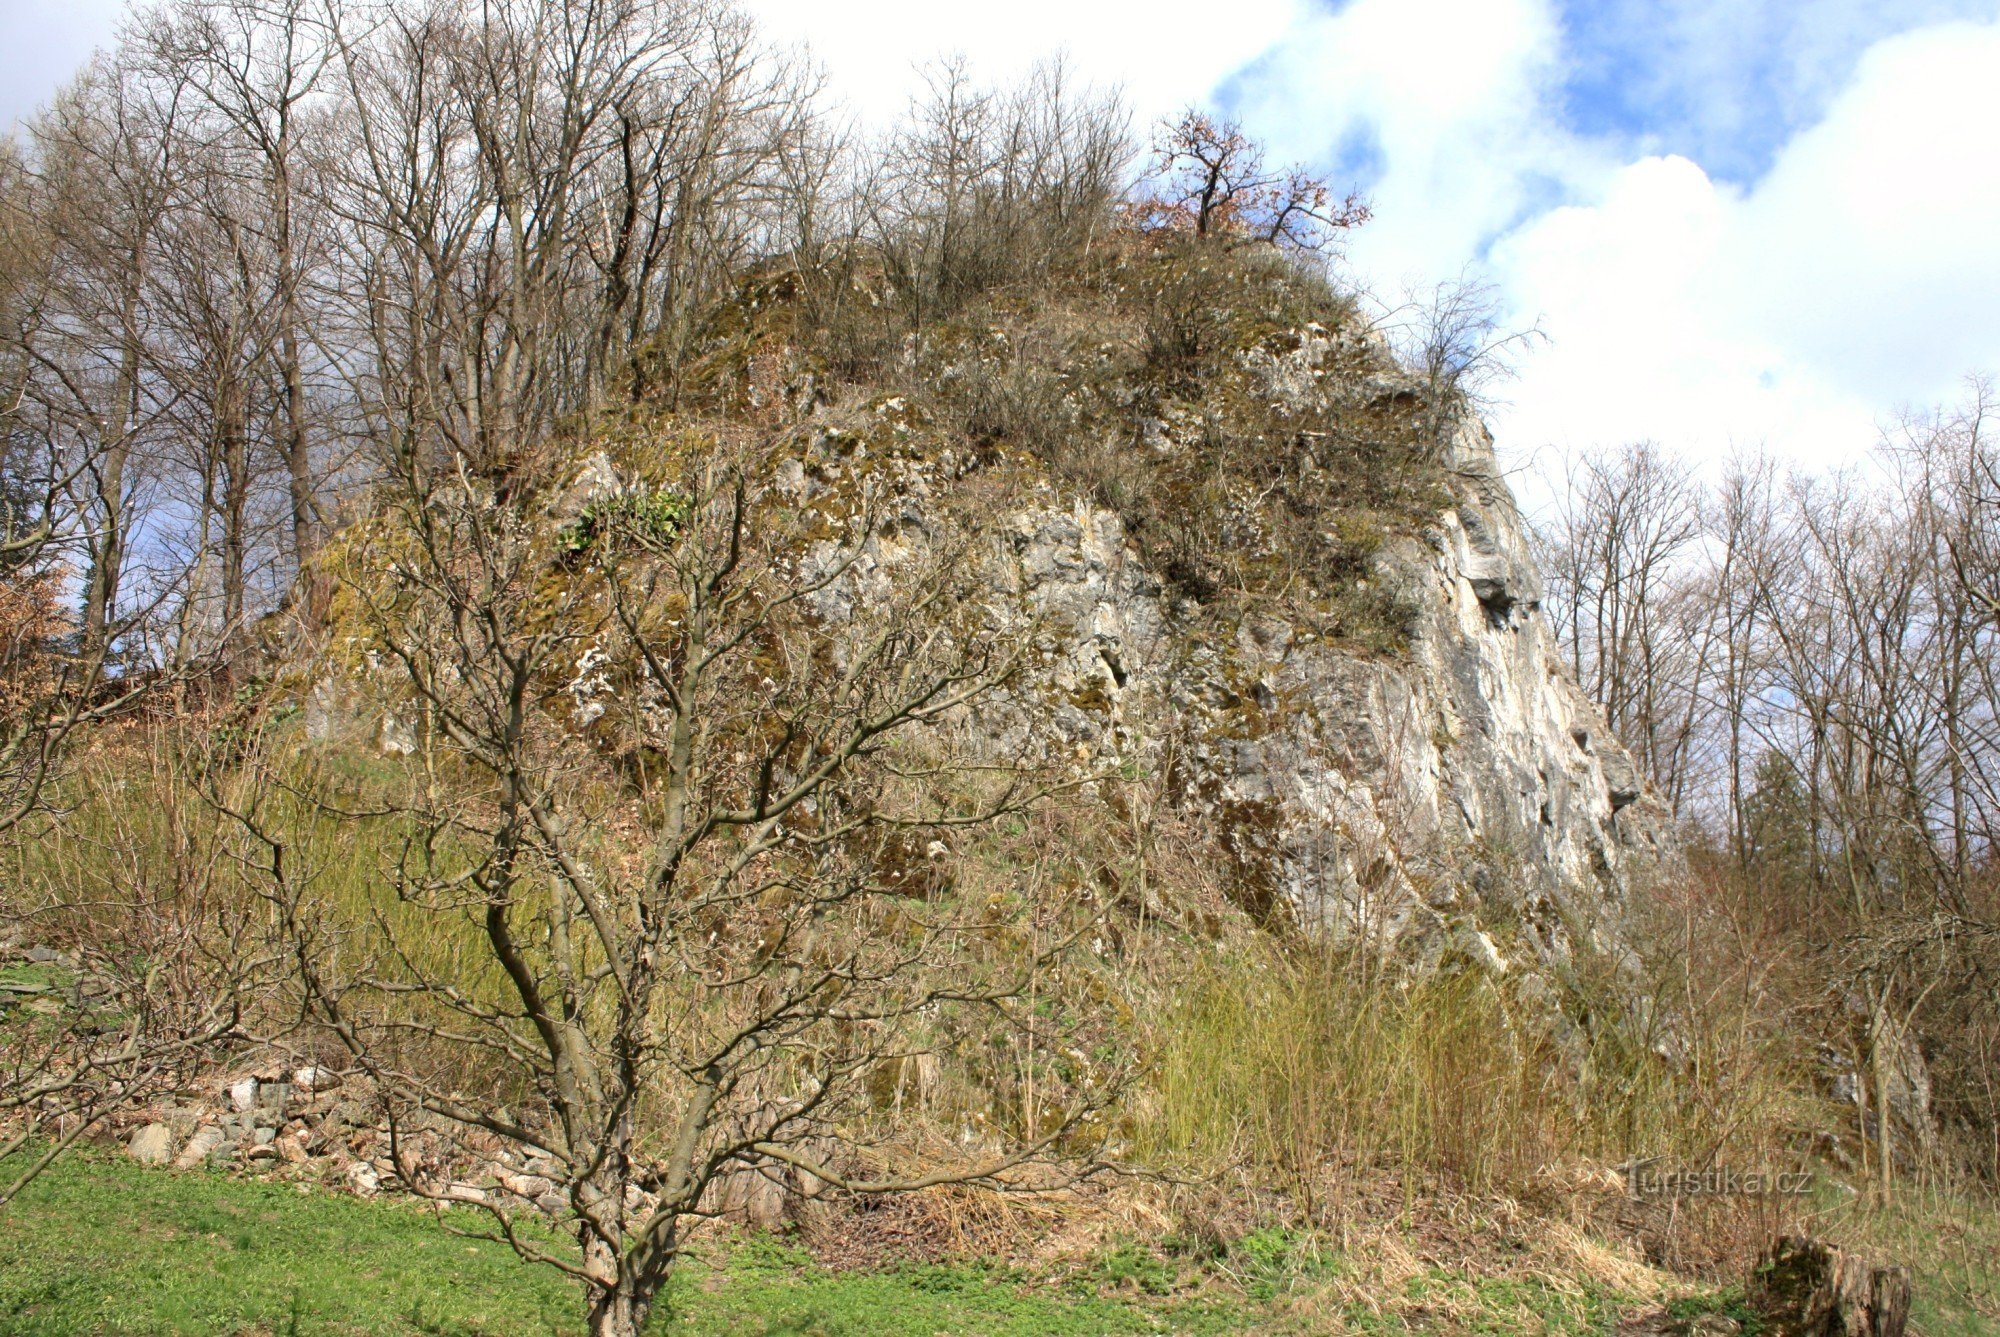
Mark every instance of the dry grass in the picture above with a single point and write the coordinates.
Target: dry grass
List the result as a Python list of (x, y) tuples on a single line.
[(1432, 1149), (1314, 1064)]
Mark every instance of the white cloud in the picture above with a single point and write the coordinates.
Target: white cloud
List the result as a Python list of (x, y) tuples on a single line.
[(1448, 96), (1647, 338), (1164, 54), (1857, 276), (1726, 81), (1870, 249)]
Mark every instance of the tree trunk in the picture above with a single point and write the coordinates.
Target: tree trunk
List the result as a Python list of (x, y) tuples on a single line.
[(107, 555), (1880, 1032), (107, 549), (235, 451), (613, 1316), (296, 448), (621, 1311), (1807, 1288)]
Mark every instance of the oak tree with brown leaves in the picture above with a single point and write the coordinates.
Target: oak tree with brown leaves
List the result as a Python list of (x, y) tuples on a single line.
[(1211, 179)]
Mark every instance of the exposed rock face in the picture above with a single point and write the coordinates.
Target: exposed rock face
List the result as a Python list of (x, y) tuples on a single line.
[(152, 1145), (1415, 801), (1461, 796)]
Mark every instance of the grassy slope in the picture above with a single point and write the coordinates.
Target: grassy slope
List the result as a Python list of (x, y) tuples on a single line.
[(102, 1245), (1953, 1245)]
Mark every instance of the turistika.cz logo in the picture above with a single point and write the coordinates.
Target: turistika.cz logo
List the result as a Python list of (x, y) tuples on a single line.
[(1643, 1181)]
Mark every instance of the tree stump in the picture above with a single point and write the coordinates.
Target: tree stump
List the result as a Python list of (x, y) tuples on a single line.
[(1807, 1288)]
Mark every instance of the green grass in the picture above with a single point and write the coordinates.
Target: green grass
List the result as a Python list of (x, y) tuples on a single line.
[(100, 1245), (38, 976), (1442, 1300), (762, 1289), (1950, 1241)]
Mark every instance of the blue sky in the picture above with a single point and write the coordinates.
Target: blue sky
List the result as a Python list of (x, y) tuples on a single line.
[(1725, 84), (41, 42), (1740, 222)]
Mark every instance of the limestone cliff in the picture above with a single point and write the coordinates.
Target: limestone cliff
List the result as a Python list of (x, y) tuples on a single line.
[(1257, 573), (1417, 799)]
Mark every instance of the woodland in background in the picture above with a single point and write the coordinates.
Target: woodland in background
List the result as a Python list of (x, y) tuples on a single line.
[(1809, 668)]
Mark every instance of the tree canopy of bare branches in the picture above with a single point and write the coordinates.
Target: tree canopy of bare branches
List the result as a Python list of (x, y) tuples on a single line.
[(693, 974), (1210, 179), (1806, 666)]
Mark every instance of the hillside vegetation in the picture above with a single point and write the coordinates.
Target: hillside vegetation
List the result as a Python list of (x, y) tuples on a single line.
[(539, 686)]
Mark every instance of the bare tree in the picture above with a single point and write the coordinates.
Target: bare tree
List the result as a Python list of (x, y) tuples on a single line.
[(439, 238), (57, 476), (1807, 666), (1210, 179), (530, 192), (1452, 336), (253, 74), (1612, 575), (984, 186), (106, 159), (707, 998)]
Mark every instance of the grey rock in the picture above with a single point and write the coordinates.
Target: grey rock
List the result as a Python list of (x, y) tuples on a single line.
[(205, 1143), (1623, 783), (1460, 800), (1465, 786), (395, 736), (531, 1187), (338, 709), (1912, 1120), (595, 481), (330, 709), (152, 1145)]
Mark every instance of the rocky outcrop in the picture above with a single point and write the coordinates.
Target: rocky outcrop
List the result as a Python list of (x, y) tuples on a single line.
[(1458, 795), (1462, 796)]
